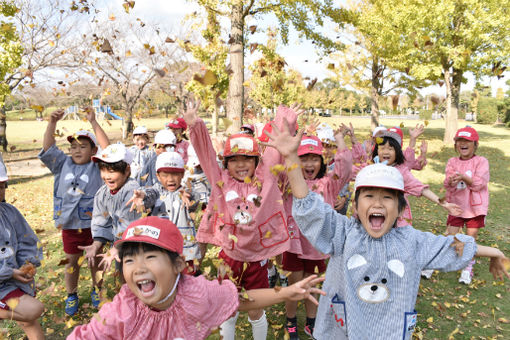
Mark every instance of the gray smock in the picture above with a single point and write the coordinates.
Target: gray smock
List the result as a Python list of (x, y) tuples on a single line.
[(371, 284), (74, 188), (198, 184), (147, 176), (111, 216), (171, 206), (18, 245), (140, 158)]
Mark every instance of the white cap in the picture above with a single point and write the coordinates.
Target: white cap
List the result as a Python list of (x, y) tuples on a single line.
[(114, 153), (378, 131), (192, 157), (83, 133), (326, 134), (165, 137), (3, 170), (170, 161), (380, 176), (140, 130)]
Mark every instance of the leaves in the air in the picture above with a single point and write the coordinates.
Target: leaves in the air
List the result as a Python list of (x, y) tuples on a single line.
[(253, 47), (311, 84), (106, 47), (209, 78), (252, 29), (128, 5)]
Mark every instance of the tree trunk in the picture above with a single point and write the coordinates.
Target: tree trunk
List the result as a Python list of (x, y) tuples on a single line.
[(127, 123), (235, 87), (215, 120), (453, 81), (3, 129), (374, 94)]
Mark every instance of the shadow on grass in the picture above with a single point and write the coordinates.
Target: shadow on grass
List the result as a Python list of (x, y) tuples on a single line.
[(26, 179)]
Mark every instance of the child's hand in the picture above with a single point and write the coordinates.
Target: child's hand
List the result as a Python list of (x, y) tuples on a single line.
[(283, 141), (108, 257), (452, 208), (91, 251), (90, 114), (304, 289), (498, 267), (191, 114), (21, 276), (423, 147), (297, 109), (186, 198), (340, 202), (136, 201), (417, 131), (348, 131), (28, 269), (57, 115)]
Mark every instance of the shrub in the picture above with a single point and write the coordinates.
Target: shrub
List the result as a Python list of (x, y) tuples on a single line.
[(487, 110)]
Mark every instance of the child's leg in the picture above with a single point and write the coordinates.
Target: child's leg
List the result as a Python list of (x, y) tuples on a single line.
[(72, 273), (26, 313), (291, 306), (258, 321), (228, 328)]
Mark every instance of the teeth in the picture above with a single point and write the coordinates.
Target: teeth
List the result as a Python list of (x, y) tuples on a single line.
[(376, 215), (143, 282)]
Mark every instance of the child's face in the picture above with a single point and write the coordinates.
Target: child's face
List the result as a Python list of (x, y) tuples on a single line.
[(310, 165), (140, 141), (377, 209), (329, 151), (114, 180), (465, 148), (151, 276), (240, 167), (160, 148), (386, 152), (81, 151), (177, 133), (171, 181)]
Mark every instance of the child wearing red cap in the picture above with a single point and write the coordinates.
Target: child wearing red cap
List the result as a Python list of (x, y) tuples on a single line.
[(466, 184), (302, 259), (245, 215), (77, 180), (178, 127), (159, 303)]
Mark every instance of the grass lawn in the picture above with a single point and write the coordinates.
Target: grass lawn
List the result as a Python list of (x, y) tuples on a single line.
[(446, 308)]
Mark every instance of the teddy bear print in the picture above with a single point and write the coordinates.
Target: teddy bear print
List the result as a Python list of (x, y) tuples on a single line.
[(375, 290), (73, 184), (242, 214)]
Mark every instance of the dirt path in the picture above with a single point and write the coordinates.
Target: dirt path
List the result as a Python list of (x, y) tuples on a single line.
[(26, 168)]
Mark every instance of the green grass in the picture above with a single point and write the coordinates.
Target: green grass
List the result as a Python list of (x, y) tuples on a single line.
[(445, 307)]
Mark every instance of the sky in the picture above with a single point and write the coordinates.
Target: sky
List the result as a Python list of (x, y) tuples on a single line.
[(171, 13)]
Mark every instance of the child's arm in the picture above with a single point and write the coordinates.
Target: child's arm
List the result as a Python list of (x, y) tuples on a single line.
[(497, 266), (101, 137), (29, 249), (143, 199), (452, 208), (480, 177), (342, 171), (49, 134), (261, 298)]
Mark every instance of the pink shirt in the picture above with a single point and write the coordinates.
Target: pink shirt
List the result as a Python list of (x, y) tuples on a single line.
[(412, 162), (412, 186), (199, 306), (182, 149), (474, 198), (327, 186), (247, 220)]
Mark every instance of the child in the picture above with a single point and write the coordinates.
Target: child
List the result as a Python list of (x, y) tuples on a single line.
[(467, 177), (373, 275), (245, 214), (77, 180), (174, 203), (141, 151), (112, 212), (19, 255), (178, 127), (163, 141), (249, 129), (304, 260), (157, 302), (195, 180)]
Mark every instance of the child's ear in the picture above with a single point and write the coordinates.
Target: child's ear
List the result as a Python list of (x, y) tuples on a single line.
[(128, 170), (180, 264), (94, 150), (354, 210)]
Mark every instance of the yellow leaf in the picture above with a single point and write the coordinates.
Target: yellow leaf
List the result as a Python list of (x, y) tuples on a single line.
[(402, 125), (276, 169), (232, 237), (80, 260), (70, 270), (268, 234), (220, 184), (447, 304), (247, 180), (430, 320), (426, 123), (503, 320), (12, 303), (455, 331), (128, 53), (379, 140), (99, 275), (226, 122), (70, 323), (292, 167)]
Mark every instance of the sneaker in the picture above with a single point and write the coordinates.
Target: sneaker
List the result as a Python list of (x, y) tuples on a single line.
[(272, 280), (465, 277), (284, 281), (291, 329), (309, 331), (94, 297), (72, 305), (427, 273)]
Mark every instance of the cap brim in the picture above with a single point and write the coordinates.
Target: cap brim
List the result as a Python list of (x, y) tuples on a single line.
[(377, 186), (168, 169)]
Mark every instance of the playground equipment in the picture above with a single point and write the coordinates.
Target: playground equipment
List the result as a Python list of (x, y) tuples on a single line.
[(104, 111)]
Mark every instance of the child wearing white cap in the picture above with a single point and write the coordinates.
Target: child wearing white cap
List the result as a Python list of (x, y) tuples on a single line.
[(76, 181), (373, 275), (164, 140), (195, 179), (140, 150), (113, 210), (175, 203)]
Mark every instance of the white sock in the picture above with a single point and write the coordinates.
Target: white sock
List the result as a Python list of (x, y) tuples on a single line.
[(271, 271), (228, 328), (259, 327)]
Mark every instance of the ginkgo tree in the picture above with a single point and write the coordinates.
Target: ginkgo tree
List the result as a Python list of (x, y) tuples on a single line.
[(304, 15)]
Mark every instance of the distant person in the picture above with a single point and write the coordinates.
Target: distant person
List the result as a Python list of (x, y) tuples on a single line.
[(178, 126), (140, 150)]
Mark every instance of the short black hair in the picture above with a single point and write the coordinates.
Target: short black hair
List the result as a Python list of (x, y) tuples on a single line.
[(134, 248), (119, 166), (402, 203), (225, 160), (399, 154)]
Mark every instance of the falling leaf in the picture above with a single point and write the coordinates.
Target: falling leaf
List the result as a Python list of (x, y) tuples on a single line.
[(208, 79), (401, 125), (106, 47), (257, 201), (310, 86), (169, 40), (331, 66), (252, 29), (128, 5), (63, 262), (426, 123), (247, 180), (276, 169), (292, 167), (253, 47), (226, 124), (80, 260), (232, 237), (379, 140), (220, 184), (112, 17), (268, 234)]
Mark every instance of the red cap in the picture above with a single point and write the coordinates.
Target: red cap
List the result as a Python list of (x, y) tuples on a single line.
[(158, 231), (177, 123), (310, 144), (241, 144), (393, 132), (467, 133)]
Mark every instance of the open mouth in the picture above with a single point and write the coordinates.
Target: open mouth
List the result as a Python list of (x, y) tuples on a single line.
[(309, 173), (146, 287), (242, 173), (376, 221)]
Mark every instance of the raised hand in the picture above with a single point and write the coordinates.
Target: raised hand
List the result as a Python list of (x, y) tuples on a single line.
[(297, 109), (417, 131), (191, 114), (91, 251), (57, 115), (283, 140), (304, 289), (90, 114), (108, 257), (136, 201)]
